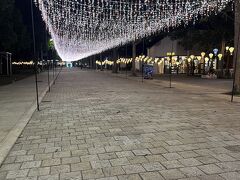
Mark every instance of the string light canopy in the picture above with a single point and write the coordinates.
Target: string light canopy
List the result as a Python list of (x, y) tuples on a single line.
[(81, 28)]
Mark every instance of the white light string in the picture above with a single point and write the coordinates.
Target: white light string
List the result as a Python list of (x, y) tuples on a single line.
[(81, 28)]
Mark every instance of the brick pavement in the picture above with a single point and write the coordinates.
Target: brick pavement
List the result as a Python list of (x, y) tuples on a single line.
[(17, 104), (96, 126)]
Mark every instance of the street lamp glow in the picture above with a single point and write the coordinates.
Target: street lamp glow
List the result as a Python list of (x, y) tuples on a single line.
[(231, 49), (203, 54), (211, 55), (220, 57)]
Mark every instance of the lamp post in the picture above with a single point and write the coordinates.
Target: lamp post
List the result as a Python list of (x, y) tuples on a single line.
[(206, 59), (189, 65), (220, 59), (199, 64), (203, 62), (215, 52), (229, 51), (48, 63), (211, 62), (192, 57), (34, 54), (170, 56)]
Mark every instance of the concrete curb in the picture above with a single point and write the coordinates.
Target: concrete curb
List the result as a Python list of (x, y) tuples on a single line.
[(15, 132)]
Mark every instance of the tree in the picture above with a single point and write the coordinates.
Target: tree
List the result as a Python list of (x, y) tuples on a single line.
[(7, 35), (210, 32), (237, 46)]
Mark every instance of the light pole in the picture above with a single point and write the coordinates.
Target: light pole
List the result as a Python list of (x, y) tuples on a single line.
[(220, 59), (34, 54), (199, 64), (211, 62), (229, 51), (203, 62), (170, 56), (192, 57), (215, 52), (48, 62)]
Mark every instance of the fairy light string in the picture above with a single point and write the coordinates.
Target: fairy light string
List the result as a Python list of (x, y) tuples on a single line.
[(81, 28)]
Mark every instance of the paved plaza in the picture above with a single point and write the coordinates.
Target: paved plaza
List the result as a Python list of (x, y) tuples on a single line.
[(99, 126), (17, 104)]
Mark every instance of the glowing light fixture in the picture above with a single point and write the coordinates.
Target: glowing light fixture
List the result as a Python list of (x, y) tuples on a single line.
[(81, 28)]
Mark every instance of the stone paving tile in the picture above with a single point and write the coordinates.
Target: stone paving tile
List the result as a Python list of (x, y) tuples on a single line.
[(172, 156), (17, 173), (39, 171), (71, 176), (9, 167), (172, 164), (49, 177), (95, 126), (92, 174), (153, 166), (151, 176), (81, 166), (31, 164), (113, 171), (133, 169), (130, 177), (60, 169), (119, 161), (172, 174), (190, 162), (51, 162), (192, 171), (210, 169)]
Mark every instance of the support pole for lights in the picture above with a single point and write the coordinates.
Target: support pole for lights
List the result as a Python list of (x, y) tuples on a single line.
[(143, 61), (170, 71), (48, 76), (34, 54), (126, 61), (53, 72)]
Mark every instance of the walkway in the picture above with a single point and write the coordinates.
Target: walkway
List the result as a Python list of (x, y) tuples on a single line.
[(96, 126), (17, 103)]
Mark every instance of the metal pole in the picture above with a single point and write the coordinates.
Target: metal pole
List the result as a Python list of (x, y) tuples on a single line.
[(126, 61), (48, 77), (142, 61), (54, 69), (170, 71), (170, 68), (235, 66), (34, 53)]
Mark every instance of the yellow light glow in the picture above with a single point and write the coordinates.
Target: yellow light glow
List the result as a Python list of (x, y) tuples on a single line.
[(231, 49), (211, 55), (199, 58), (203, 54), (220, 57)]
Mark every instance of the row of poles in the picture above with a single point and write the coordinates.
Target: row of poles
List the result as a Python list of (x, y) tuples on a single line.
[(36, 64)]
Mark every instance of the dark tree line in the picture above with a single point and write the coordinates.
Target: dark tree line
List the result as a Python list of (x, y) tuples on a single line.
[(16, 29)]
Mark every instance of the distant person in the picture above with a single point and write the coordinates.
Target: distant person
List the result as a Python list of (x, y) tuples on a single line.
[(81, 66)]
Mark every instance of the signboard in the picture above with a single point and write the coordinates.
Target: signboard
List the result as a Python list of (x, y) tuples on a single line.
[(148, 71)]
